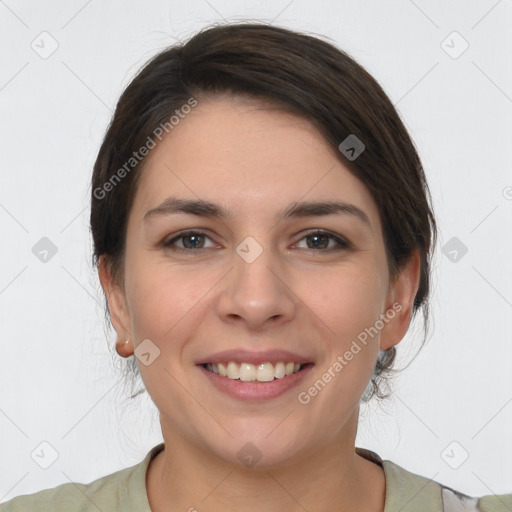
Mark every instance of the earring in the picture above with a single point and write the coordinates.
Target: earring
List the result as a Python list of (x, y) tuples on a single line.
[(120, 347)]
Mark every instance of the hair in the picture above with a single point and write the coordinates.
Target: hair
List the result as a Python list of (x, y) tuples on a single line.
[(299, 74)]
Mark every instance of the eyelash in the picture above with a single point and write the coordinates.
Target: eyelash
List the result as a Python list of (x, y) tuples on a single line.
[(342, 243)]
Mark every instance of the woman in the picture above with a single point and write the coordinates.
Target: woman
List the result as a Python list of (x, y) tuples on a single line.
[(263, 231)]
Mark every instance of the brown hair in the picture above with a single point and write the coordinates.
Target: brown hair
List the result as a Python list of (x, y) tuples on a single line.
[(300, 74)]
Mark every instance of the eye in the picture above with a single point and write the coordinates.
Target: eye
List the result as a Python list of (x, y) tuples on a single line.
[(191, 240), (320, 240)]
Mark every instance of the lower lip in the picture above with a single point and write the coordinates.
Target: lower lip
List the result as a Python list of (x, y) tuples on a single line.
[(255, 390)]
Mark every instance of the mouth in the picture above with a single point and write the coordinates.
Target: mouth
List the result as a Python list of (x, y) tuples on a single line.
[(255, 377), (247, 372)]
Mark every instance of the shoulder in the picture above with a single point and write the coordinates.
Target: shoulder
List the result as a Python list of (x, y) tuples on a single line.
[(412, 492), (106, 493), (123, 490), (409, 492)]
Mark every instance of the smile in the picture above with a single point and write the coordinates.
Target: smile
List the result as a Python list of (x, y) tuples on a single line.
[(255, 382), (247, 372)]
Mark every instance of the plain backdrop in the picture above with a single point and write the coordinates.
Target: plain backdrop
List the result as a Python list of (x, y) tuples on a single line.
[(446, 67)]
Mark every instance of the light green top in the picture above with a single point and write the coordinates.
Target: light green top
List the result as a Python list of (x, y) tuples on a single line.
[(125, 491)]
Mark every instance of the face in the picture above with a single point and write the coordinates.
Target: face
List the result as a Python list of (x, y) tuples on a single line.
[(255, 285)]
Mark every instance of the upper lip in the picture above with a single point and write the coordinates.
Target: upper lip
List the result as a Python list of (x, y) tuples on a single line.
[(253, 357)]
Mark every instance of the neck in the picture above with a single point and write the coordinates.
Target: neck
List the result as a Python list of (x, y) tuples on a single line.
[(183, 477)]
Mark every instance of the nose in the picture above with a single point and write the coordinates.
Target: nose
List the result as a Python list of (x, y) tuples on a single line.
[(257, 293)]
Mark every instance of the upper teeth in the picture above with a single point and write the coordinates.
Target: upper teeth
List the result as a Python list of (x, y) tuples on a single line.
[(263, 372)]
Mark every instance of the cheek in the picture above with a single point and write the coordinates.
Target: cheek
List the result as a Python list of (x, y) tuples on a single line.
[(167, 302), (166, 308), (347, 301), (348, 306), (159, 300)]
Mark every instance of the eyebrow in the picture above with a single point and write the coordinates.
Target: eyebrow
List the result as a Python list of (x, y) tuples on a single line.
[(173, 205)]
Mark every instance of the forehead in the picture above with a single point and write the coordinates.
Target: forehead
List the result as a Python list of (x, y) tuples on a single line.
[(252, 158)]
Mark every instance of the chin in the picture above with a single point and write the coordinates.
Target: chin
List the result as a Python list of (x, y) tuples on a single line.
[(270, 448)]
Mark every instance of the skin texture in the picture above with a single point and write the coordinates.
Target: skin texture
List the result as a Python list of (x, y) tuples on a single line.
[(255, 160)]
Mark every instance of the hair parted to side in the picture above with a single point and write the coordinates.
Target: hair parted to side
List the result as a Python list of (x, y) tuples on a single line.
[(297, 73)]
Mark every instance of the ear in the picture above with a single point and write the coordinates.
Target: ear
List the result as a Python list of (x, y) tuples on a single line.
[(400, 301), (119, 314)]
